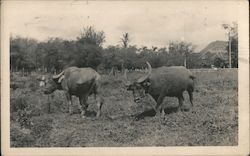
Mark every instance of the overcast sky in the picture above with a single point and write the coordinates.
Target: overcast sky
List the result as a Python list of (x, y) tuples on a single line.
[(148, 23)]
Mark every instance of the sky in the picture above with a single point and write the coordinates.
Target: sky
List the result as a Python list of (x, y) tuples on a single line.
[(149, 23)]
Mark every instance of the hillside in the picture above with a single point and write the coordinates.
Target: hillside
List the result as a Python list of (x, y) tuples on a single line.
[(218, 48), (215, 47)]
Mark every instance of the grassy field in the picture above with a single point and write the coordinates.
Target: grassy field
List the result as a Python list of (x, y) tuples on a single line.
[(213, 121)]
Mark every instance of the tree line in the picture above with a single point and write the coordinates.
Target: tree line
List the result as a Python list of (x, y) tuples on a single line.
[(87, 50)]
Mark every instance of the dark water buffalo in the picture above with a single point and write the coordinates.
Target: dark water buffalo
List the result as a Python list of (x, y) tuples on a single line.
[(162, 82), (80, 82)]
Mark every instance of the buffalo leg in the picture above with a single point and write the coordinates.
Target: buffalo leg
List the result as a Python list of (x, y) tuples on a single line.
[(162, 112), (98, 98), (99, 102), (190, 93), (153, 99), (158, 105), (180, 99), (69, 100), (83, 105)]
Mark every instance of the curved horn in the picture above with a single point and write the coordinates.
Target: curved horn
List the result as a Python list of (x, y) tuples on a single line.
[(57, 76), (126, 81), (61, 78), (125, 74), (143, 78)]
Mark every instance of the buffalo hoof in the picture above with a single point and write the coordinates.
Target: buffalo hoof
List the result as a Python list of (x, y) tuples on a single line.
[(138, 117), (185, 109), (158, 115)]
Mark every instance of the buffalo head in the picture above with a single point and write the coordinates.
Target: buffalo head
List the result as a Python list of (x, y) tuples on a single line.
[(53, 84), (140, 87)]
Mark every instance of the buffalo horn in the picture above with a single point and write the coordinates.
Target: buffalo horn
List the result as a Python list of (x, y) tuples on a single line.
[(143, 78), (57, 76), (61, 78), (127, 82)]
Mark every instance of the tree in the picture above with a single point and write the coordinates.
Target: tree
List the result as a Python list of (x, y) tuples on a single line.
[(90, 36), (163, 56), (129, 56), (23, 53), (179, 51), (52, 54), (234, 48), (195, 60), (87, 55), (125, 40), (232, 33), (219, 62), (89, 48)]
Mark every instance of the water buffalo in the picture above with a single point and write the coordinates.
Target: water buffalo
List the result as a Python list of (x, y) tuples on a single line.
[(80, 82), (162, 82)]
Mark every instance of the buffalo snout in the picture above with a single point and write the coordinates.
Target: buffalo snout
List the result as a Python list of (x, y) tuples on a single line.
[(49, 90), (46, 92)]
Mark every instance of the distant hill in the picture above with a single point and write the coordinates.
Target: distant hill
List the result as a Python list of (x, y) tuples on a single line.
[(215, 48), (208, 56)]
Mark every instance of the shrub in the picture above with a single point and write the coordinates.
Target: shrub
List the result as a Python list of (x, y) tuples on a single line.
[(24, 118), (20, 138), (22, 109), (33, 86), (41, 127), (19, 103)]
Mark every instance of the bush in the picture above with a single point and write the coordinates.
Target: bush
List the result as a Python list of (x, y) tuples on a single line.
[(41, 127), (24, 118), (22, 109), (33, 86), (19, 103), (20, 138)]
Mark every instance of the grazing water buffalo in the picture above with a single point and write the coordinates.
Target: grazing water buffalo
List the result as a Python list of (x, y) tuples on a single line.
[(80, 82), (162, 82)]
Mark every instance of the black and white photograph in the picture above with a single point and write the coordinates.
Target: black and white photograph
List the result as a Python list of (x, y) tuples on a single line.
[(104, 74)]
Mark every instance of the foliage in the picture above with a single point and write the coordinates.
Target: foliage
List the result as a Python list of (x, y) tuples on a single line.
[(234, 49), (19, 103), (23, 53), (232, 31), (91, 36), (87, 55), (20, 138), (41, 127), (182, 50), (86, 50), (125, 40), (219, 62), (24, 117)]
